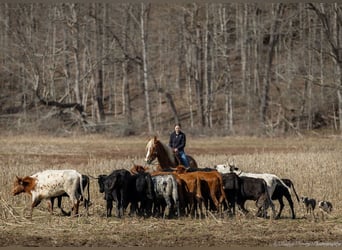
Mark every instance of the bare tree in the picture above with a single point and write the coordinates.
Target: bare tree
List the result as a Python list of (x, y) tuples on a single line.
[(331, 20), (143, 29), (273, 40)]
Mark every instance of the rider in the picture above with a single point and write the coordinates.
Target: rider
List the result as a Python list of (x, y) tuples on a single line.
[(177, 143)]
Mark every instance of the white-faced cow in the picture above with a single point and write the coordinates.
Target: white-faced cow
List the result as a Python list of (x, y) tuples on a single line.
[(50, 183), (271, 180)]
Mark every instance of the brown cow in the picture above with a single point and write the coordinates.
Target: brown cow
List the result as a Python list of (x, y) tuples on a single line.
[(190, 184), (211, 186)]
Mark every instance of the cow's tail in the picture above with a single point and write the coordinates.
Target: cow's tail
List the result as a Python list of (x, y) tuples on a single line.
[(87, 201), (174, 189), (81, 186), (294, 190), (223, 197), (198, 188)]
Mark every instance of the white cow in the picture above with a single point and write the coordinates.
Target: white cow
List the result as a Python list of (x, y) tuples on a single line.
[(271, 180), (50, 183), (165, 187)]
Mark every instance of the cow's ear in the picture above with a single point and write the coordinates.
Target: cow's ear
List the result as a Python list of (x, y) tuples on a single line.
[(19, 180), (26, 181)]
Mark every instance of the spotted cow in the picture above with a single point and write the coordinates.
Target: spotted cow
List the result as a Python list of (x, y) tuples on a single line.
[(50, 183)]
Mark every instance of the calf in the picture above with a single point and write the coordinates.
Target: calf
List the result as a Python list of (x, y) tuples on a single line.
[(140, 194), (85, 185), (50, 183), (115, 188)]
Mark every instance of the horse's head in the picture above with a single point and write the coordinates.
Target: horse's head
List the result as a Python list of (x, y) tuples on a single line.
[(151, 150)]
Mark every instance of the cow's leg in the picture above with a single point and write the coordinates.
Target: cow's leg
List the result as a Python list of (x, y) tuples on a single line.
[(214, 198), (50, 204), (119, 207), (167, 210), (133, 208), (35, 203), (281, 204), (199, 202), (192, 207), (109, 207), (177, 207), (59, 204), (272, 207), (241, 206), (289, 199)]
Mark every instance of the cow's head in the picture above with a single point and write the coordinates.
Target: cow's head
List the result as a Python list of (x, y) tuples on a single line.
[(227, 168), (180, 169), (108, 182), (137, 169), (101, 181), (23, 184)]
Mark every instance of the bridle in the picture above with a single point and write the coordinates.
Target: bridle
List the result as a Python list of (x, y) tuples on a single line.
[(152, 156)]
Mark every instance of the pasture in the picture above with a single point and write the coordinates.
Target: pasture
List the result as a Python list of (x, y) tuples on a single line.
[(314, 164)]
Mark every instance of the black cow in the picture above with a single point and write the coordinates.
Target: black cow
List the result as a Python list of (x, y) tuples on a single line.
[(141, 194), (231, 186), (115, 188), (240, 189), (281, 191), (87, 203), (124, 188)]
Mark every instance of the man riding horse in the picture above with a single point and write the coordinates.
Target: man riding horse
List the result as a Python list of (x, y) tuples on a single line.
[(177, 142)]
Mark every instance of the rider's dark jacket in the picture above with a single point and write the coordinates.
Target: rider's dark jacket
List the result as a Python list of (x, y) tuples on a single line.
[(177, 141)]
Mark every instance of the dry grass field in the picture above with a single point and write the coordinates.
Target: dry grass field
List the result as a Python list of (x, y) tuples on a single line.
[(313, 164)]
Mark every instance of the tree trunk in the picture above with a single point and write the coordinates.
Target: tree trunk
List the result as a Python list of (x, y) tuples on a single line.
[(268, 66), (143, 17), (73, 24)]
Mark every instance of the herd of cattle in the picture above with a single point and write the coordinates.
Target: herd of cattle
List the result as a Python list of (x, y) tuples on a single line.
[(168, 193)]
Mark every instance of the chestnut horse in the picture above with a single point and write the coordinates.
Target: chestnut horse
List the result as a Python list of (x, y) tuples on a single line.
[(166, 157)]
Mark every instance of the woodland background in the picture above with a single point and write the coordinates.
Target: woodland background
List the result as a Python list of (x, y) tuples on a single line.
[(130, 69)]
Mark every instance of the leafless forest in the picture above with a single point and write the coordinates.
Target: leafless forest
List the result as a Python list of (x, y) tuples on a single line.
[(128, 69)]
